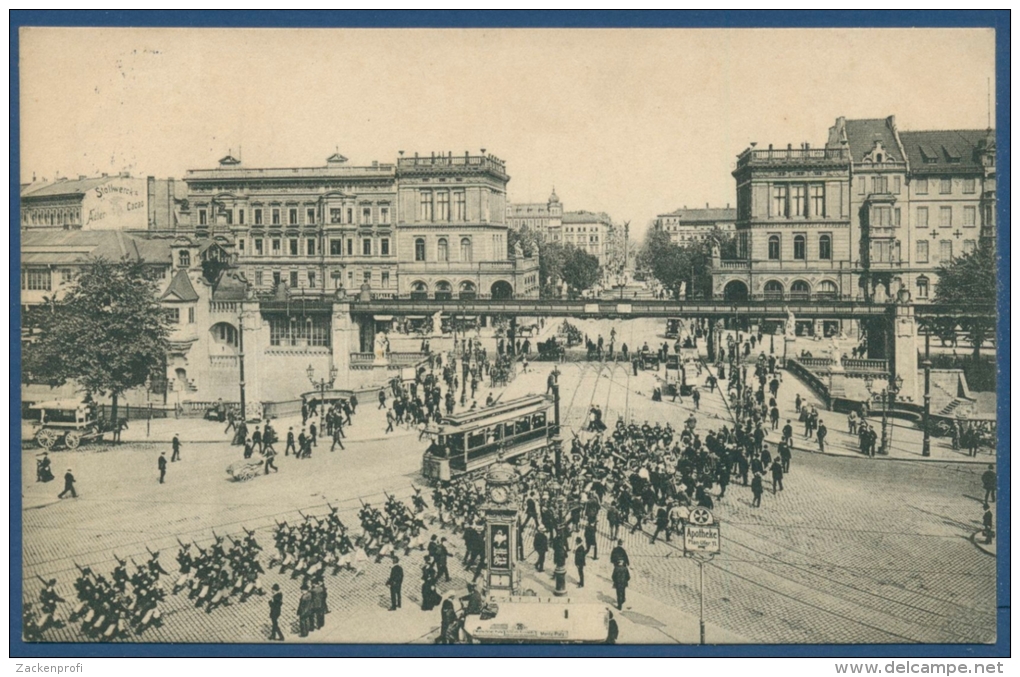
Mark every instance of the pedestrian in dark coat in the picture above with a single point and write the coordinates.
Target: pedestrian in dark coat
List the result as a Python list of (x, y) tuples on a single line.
[(777, 477), (621, 578), (756, 490), (441, 557), (619, 555), (304, 610), (175, 446), (590, 540), (822, 432), (319, 604), (395, 583), (290, 443), (541, 545), (989, 482), (580, 559), (68, 485), (161, 464), (275, 608)]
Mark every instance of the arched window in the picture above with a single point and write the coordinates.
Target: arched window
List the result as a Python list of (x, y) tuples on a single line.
[(419, 249), (773, 247), (465, 249), (799, 247), (774, 290), (800, 290), (827, 289), (825, 247), (184, 258), (443, 249)]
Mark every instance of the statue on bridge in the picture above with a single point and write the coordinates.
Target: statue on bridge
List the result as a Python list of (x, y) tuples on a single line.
[(837, 355), (791, 324), (382, 346)]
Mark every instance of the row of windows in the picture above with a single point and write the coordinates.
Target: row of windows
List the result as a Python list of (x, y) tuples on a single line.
[(52, 217), (336, 216), (336, 247), (946, 217), (792, 200), (294, 278), (300, 331), (886, 184), (443, 250), (434, 205), (800, 247)]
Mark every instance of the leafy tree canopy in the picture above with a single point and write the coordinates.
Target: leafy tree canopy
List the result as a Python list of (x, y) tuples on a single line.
[(965, 282), (108, 333)]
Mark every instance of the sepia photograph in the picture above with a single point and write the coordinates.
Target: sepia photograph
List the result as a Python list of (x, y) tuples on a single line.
[(507, 336)]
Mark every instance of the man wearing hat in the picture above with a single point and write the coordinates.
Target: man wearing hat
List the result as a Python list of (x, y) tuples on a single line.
[(395, 582), (304, 610), (541, 545), (175, 445), (68, 485), (161, 464), (275, 607)]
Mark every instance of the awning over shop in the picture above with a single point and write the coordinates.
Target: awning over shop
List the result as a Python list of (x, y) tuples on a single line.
[(382, 318)]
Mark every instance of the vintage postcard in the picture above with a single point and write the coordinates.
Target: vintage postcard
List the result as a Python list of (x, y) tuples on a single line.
[(508, 336)]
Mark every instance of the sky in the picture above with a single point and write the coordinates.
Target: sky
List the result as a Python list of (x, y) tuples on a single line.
[(631, 122)]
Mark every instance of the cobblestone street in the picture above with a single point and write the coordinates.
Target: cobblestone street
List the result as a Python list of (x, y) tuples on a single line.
[(851, 551)]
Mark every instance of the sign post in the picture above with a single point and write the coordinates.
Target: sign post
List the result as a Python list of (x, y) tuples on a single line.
[(702, 542)]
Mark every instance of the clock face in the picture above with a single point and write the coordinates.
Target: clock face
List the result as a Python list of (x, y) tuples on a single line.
[(499, 494)]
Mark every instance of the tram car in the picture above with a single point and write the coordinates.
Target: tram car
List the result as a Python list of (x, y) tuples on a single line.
[(473, 440)]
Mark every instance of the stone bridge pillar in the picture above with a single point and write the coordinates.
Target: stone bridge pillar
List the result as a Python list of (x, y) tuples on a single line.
[(903, 357), (345, 337)]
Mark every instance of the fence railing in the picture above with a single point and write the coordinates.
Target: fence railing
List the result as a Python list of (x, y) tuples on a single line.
[(812, 380), (392, 360)]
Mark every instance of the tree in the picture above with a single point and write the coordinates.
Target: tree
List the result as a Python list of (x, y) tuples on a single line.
[(580, 269), (968, 282), (108, 333)]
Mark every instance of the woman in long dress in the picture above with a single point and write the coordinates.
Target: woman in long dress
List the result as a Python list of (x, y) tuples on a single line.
[(429, 596)]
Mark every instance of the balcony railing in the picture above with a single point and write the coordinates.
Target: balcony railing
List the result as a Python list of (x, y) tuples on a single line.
[(224, 307), (394, 360), (223, 361), (793, 155)]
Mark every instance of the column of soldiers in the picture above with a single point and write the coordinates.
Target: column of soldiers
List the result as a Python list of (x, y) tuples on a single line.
[(215, 574), (108, 608)]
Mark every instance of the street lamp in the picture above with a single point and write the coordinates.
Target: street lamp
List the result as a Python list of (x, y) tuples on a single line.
[(888, 401), (869, 381), (558, 504), (926, 444), (321, 385)]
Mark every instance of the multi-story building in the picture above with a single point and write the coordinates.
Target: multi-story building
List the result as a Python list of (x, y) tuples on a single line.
[(117, 202), (452, 230), (876, 210), (433, 225), (589, 231), (918, 199), (792, 226), (694, 225), (543, 218), (317, 229)]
